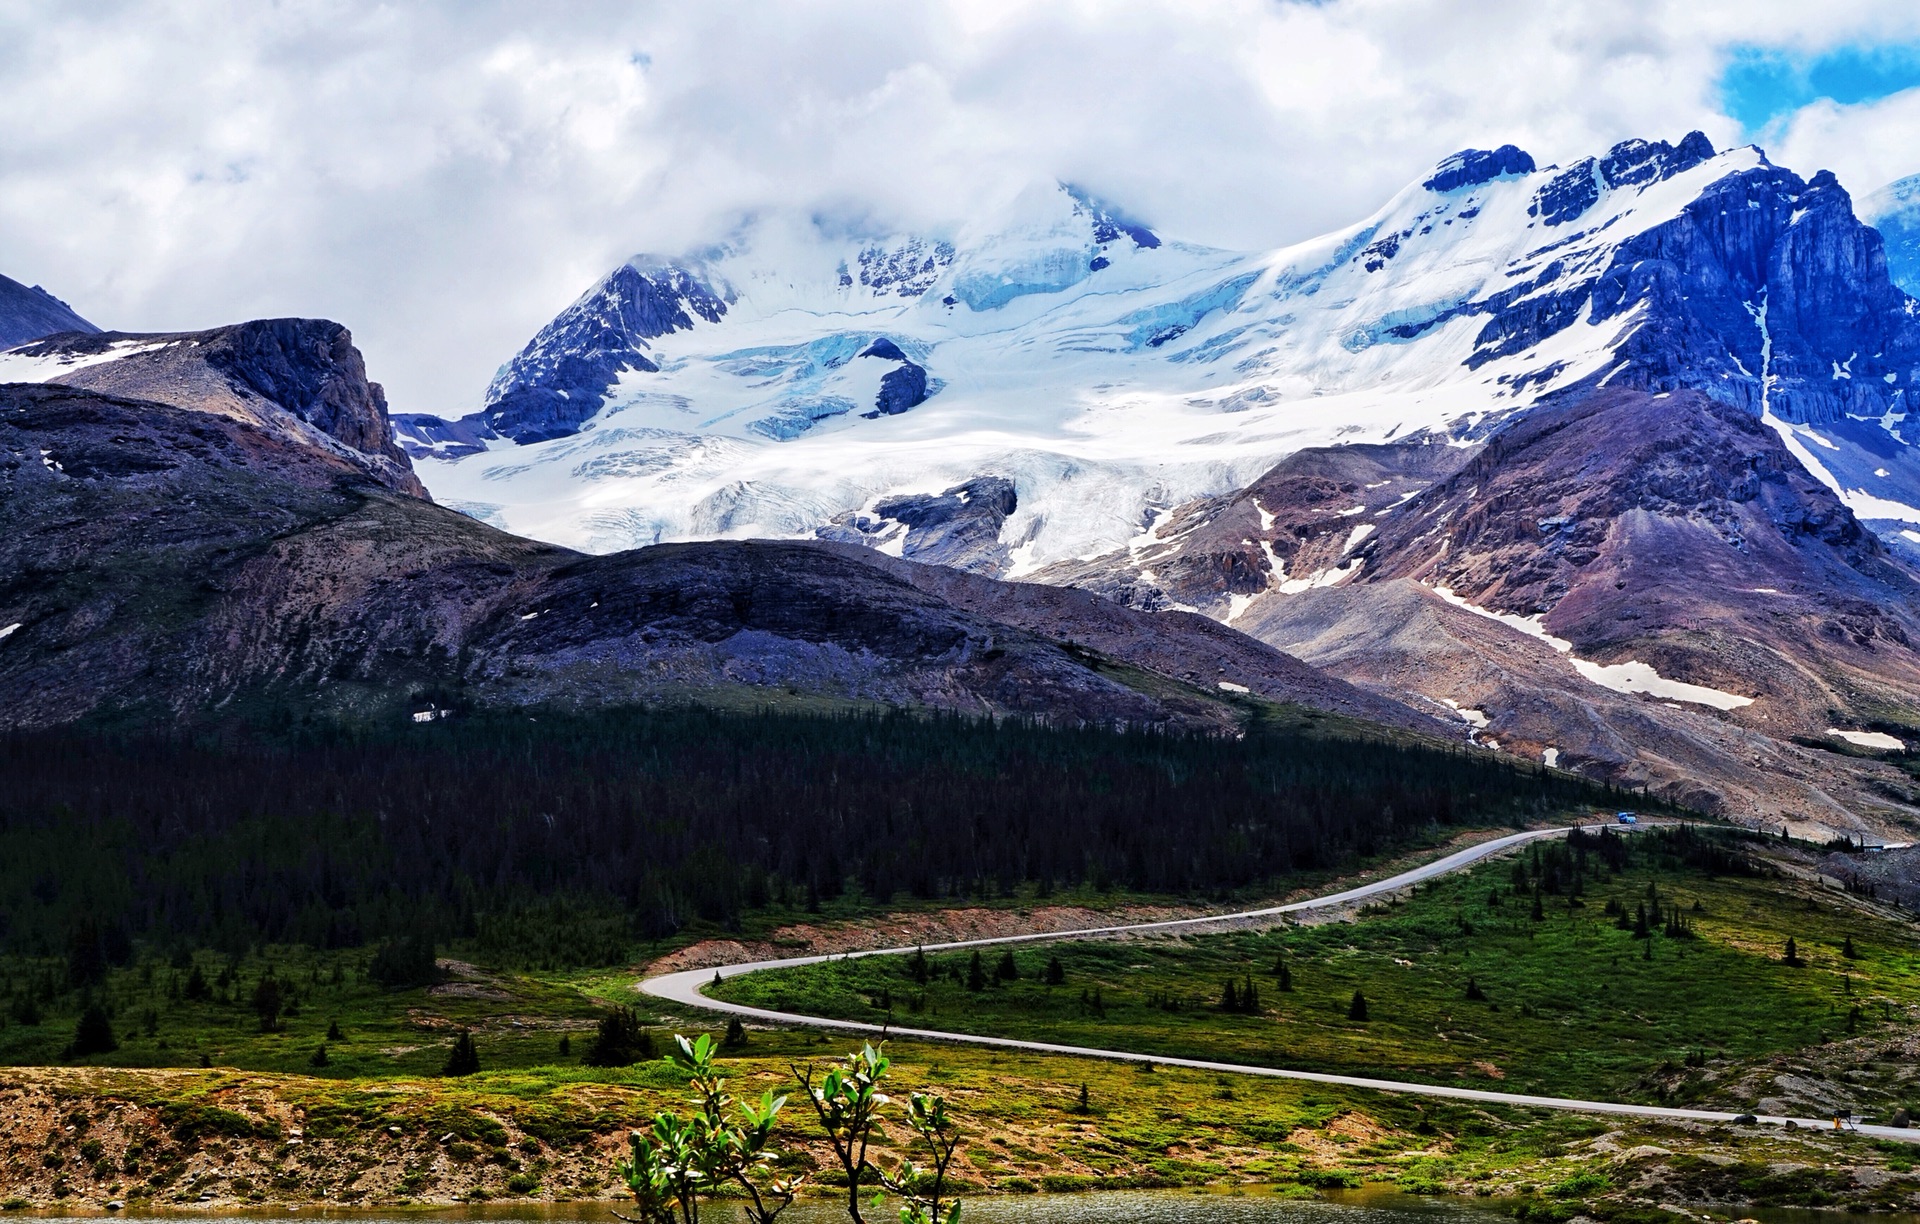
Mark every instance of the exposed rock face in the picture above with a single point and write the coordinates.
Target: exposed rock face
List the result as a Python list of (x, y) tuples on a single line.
[(1110, 224), (959, 527), (303, 377), (174, 563), (1470, 167), (423, 435), (1765, 291), (901, 388), (561, 378), (28, 313)]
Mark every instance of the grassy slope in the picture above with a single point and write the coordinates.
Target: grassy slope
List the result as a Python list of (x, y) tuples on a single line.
[(1573, 1008)]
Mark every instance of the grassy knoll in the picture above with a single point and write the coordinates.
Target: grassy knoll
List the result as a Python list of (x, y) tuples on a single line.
[(82, 1136), (1572, 1005)]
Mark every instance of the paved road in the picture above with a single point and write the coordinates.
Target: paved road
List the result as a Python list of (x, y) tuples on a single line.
[(686, 988)]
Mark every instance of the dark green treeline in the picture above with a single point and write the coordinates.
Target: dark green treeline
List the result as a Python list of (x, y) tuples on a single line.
[(566, 838)]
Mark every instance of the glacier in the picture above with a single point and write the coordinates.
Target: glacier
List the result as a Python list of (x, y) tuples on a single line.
[(796, 378)]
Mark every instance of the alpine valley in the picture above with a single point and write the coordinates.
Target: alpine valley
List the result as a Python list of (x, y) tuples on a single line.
[(1607, 465)]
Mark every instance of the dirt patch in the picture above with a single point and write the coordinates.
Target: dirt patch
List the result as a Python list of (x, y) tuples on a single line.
[(911, 930)]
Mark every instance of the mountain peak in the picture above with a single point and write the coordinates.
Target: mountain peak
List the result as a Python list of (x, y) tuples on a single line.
[(29, 313)]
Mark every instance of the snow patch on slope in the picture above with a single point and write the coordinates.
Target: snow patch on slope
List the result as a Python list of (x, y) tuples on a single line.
[(1632, 676)]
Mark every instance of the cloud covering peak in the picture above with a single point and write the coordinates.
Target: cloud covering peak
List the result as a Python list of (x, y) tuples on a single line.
[(444, 177)]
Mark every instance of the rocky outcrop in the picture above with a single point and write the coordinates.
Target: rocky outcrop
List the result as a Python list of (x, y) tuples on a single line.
[(1894, 210), (30, 312), (1764, 291), (901, 388), (302, 378), (1471, 167), (561, 378), (959, 527)]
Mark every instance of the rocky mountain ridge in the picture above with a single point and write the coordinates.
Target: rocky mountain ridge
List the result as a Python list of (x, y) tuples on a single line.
[(1647, 588)]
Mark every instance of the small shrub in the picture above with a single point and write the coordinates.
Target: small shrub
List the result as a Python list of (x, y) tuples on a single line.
[(1330, 1179), (619, 1041), (400, 964)]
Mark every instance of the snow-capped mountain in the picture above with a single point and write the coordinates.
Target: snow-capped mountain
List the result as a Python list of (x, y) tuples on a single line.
[(792, 380)]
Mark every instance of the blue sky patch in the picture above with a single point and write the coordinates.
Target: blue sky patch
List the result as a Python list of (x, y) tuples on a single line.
[(1761, 84)]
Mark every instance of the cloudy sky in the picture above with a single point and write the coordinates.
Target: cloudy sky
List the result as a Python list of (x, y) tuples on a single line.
[(444, 177)]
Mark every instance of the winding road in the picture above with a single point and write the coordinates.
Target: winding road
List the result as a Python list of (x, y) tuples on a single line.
[(686, 988)]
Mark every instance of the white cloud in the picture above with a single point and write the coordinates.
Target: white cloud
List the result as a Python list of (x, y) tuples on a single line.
[(442, 178)]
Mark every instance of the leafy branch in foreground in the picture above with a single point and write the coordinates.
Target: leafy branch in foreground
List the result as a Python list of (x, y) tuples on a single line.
[(847, 1100), (925, 1189), (677, 1160), (724, 1146)]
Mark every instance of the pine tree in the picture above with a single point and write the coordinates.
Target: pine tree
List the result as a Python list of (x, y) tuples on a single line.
[(463, 1059), (267, 1002), (1474, 992), (1357, 1010), (196, 988), (917, 966), (1229, 997), (319, 1058), (566, 1045), (1056, 972), (1006, 970), (1640, 930), (976, 974), (1793, 954), (93, 1034), (1539, 912), (1283, 977), (333, 1031), (1250, 997), (86, 959), (1846, 949), (736, 1034), (1085, 1106)]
